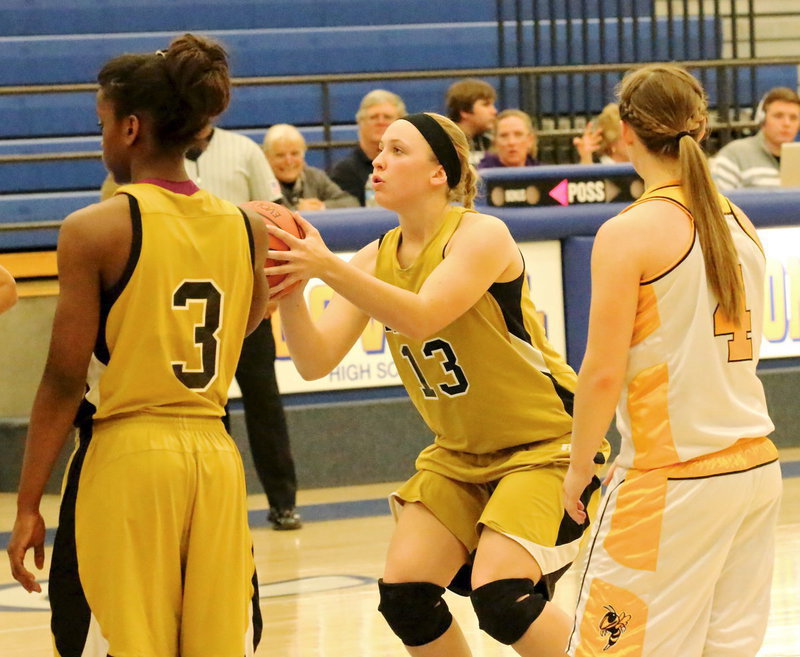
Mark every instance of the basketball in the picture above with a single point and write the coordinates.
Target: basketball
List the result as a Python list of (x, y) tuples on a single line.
[(279, 216)]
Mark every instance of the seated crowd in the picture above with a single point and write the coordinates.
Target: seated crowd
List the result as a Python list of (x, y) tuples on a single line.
[(496, 140)]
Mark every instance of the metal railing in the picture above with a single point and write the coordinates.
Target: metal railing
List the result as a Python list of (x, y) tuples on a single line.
[(555, 133)]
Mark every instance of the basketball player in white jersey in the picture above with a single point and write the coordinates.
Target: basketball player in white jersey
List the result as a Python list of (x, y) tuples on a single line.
[(680, 559)]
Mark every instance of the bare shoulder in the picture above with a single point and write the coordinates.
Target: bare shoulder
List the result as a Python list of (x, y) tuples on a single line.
[(646, 222), (481, 220), (483, 228), (106, 219), (650, 236)]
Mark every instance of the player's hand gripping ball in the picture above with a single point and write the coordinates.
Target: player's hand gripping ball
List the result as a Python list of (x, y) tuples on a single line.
[(282, 217)]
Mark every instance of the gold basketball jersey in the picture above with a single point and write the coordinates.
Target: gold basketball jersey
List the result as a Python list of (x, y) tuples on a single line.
[(490, 380), (171, 330), (691, 387)]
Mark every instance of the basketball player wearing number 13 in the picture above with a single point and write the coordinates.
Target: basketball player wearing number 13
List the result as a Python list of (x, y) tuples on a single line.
[(449, 285), (159, 284), (680, 558)]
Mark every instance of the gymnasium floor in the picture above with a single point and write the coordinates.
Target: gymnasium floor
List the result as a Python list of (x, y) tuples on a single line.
[(318, 593)]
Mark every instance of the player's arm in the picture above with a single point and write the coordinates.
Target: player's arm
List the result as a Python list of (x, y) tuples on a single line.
[(8, 290), (616, 272), (451, 289), (258, 304), (62, 386), (318, 345)]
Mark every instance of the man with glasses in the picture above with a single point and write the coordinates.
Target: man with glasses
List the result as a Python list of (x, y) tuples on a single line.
[(378, 109)]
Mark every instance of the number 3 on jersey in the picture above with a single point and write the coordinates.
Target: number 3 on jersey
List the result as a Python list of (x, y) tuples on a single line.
[(443, 352), (205, 334)]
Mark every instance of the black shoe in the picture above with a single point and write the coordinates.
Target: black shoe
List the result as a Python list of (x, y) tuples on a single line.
[(284, 519)]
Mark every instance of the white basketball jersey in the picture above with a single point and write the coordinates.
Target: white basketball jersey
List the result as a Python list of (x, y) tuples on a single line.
[(691, 386)]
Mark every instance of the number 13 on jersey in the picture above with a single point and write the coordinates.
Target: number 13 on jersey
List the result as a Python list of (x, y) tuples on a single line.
[(442, 351)]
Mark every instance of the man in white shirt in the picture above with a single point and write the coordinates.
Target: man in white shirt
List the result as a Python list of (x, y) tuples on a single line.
[(233, 167), (755, 161)]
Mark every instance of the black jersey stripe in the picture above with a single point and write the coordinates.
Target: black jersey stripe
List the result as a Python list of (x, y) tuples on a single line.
[(109, 297), (508, 296), (250, 239), (567, 397)]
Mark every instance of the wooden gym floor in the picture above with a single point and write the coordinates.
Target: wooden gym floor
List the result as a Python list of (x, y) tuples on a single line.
[(318, 593)]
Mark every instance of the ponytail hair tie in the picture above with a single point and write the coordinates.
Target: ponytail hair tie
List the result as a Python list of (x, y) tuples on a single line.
[(681, 135)]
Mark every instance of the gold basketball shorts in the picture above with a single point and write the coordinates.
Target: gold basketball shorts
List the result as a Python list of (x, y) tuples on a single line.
[(153, 554), (517, 493)]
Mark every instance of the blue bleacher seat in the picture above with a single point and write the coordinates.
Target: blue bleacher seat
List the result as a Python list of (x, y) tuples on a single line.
[(50, 42), (81, 174), (20, 208), (23, 17), (76, 58)]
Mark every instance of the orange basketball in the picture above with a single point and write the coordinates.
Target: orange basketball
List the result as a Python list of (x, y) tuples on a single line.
[(279, 216)]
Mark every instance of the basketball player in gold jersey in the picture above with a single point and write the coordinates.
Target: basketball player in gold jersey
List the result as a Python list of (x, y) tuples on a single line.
[(681, 557), (158, 286), (449, 285)]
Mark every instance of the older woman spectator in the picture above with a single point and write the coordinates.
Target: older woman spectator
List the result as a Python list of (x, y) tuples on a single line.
[(514, 141), (303, 187)]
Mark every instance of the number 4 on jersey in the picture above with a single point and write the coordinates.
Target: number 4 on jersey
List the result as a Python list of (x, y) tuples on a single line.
[(740, 344)]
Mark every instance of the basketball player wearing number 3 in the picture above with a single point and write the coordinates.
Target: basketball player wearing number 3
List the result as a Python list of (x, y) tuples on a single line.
[(681, 555), (158, 286), (449, 286)]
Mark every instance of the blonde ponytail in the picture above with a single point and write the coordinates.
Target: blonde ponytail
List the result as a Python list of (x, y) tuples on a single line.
[(667, 108), (719, 254)]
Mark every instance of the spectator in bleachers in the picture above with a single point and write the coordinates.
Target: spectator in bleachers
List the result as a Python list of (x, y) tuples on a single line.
[(8, 290), (602, 139), (514, 142), (353, 173), (303, 187), (755, 161), (470, 104)]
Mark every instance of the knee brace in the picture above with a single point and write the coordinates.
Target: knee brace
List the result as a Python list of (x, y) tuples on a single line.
[(415, 611), (506, 608)]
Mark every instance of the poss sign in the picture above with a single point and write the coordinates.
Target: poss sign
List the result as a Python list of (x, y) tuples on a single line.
[(564, 191)]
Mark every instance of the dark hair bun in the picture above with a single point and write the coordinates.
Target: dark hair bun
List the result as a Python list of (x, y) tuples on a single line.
[(198, 68), (182, 89)]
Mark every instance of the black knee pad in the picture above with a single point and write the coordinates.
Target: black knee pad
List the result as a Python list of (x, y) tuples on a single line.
[(415, 611), (506, 608)]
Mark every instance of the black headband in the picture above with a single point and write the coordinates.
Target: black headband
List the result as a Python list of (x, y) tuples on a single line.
[(440, 143)]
